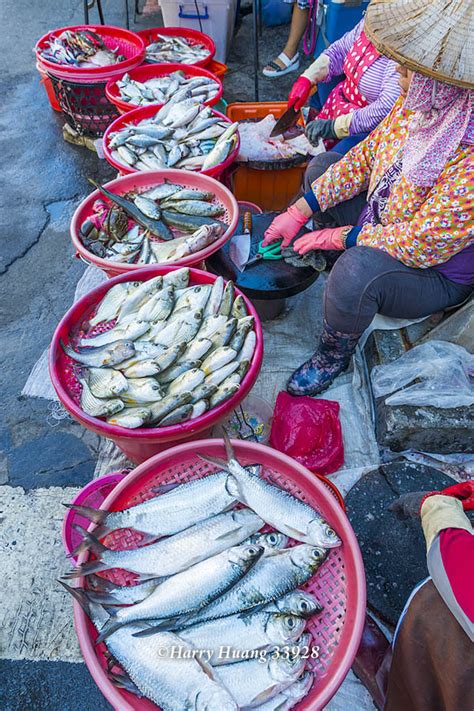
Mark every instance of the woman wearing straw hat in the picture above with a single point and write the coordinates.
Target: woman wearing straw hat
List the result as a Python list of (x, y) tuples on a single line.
[(399, 205)]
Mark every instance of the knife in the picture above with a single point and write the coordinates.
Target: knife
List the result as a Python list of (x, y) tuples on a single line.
[(239, 248), (287, 120)]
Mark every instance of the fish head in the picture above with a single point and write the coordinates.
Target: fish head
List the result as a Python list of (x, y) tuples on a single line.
[(120, 351), (299, 603), (308, 556), (300, 688), (321, 534), (284, 629), (283, 668), (270, 541), (245, 556)]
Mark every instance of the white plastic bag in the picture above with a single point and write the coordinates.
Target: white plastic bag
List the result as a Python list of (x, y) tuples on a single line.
[(436, 373)]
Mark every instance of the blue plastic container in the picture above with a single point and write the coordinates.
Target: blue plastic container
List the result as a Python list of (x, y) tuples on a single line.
[(275, 12), (337, 18)]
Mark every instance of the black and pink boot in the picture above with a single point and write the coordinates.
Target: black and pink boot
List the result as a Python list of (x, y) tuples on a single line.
[(332, 358)]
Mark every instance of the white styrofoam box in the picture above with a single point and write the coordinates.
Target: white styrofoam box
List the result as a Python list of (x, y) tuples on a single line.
[(215, 18)]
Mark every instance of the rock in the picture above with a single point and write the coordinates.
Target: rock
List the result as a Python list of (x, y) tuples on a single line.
[(393, 550), (457, 328), (401, 427)]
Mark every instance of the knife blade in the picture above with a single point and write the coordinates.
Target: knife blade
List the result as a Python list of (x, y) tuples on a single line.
[(287, 120), (239, 247)]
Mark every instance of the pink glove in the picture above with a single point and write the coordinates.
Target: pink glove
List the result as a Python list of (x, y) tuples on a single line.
[(329, 238), (286, 226), (299, 93)]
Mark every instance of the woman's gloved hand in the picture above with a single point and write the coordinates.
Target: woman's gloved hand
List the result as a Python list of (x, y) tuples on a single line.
[(320, 128), (299, 93), (329, 238), (409, 505), (286, 226)]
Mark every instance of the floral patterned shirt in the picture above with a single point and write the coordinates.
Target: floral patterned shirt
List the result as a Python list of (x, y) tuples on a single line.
[(419, 226)]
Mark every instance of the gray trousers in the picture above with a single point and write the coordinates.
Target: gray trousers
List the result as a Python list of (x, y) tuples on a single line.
[(366, 281)]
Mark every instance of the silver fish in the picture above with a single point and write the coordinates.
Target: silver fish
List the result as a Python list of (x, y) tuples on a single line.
[(179, 278), (105, 592), (218, 359), (106, 382), (158, 307), (271, 578), (147, 206), (130, 417), (133, 302), (252, 682), (96, 407), (279, 508), (109, 306), (215, 298), (164, 407), (171, 686), (141, 391), (174, 554), (170, 512), (231, 638), (289, 697), (128, 332), (167, 376), (181, 414), (223, 394), (196, 349), (162, 191), (199, 408), (190, 590), (187, 381), (102, 357), (218, 376), (194, 297)]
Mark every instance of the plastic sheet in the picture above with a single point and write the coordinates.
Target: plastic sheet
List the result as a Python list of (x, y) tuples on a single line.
[(436, 373), (309, 431)]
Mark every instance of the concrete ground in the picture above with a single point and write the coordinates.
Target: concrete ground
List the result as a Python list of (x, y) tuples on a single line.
[(46, 458)]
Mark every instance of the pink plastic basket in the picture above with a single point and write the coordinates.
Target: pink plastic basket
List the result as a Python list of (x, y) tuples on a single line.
[(141, 443), (143, 181), (339, 585), (144, 112), (93, 494), (129, 43), (193, 37), (151, 71)]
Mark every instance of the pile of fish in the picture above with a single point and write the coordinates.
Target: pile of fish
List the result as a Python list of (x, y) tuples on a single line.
[(168, 49), (159, 90), (182, 134), (82, 48), (256, 144), (173, 352), (215, 600), (163, 224)]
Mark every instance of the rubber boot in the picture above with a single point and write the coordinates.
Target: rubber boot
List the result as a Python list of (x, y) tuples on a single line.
[(332, 358)]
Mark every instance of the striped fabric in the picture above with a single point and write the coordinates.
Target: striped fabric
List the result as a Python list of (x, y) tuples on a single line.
[(379, 84)]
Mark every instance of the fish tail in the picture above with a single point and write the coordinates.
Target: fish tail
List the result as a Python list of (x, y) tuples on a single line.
[(79, 594), (84, 545), (90, 542), (86, 569), (214, 460), (97, 516), (170, 623), (229, 450), (123, 681), (111, 626), (102, 598), (67, 349), (101, 584)]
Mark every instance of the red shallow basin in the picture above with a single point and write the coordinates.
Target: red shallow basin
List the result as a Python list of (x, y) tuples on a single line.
[(193, 36), (144, 112), (142, 443), (151, 71), (143, 181), (339, 584), (130, 44)]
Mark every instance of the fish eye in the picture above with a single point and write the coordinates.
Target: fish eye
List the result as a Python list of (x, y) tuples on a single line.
[(252, 550), (290, 623), (272, 538), (304, 606), (331, 532), (316, 553)]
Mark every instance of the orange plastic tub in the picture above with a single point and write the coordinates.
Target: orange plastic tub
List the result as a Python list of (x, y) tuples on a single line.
[(270, 189)]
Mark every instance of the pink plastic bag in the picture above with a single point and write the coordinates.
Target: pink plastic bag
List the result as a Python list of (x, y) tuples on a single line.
[(309, 431)]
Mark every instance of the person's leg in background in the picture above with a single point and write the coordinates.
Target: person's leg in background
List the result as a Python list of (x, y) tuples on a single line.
[(299, 19), (345, 144), (362, 283)]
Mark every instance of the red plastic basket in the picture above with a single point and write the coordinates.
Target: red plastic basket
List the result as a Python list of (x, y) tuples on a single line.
[(147, 180), (193, 36), (129, 43), (339, 585), (144, 112), (151, 71), (141, 443)]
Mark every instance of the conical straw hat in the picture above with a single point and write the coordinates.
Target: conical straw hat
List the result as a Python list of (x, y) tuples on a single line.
[(433, 37)]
